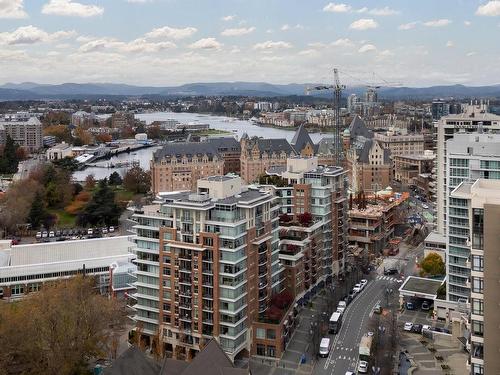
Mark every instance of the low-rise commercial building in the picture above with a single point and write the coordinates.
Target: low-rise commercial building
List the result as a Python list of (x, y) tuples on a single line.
[(25, 268), (59, 151)]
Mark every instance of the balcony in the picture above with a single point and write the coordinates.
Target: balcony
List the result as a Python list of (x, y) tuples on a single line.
[(185, 280), (185, 318), (262, 259)]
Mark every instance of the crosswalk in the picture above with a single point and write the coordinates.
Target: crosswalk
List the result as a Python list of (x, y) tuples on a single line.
[(389, 278)]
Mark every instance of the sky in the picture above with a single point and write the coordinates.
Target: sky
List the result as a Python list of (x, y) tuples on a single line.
[(171, 42)]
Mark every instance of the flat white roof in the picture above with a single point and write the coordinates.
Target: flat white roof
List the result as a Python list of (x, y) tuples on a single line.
[(54, 257)]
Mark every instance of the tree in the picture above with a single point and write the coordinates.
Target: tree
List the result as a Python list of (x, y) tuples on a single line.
[(305, 219), (68, 163), (137, 180), (102, 207), (115, 179), (84, 136), (89, 182), (38, 212), (9, 160), (44, 334), (16, 203), (432, 265), (103, 138), (61, 132)]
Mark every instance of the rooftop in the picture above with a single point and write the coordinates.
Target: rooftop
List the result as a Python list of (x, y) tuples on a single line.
[(435, 237), (473, 112), (421, 287)]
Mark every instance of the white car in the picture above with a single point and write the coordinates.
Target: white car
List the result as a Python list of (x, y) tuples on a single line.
[(363, 367), (350, 373), (425, 207), (38, 235), (363, 283), (111, 229), (357, 288), (51, 233), (90, 231), (408, 326), (104, 230)]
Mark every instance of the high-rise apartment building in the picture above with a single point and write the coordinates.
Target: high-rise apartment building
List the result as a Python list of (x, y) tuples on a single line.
[(469, 157), (475, 223), (208, 265), (321, 192), (473, 117), (26, 131)]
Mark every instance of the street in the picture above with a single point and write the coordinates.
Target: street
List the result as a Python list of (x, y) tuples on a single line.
[(344, 354)]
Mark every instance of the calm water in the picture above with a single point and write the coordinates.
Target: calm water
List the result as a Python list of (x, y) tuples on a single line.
[(235, 126)]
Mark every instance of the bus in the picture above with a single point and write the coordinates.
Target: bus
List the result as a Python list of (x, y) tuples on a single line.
[(335, 322)]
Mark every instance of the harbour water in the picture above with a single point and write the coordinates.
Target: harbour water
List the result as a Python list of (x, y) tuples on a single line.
[(234, 126)]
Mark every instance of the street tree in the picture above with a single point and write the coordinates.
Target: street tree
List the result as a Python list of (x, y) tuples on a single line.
[(115, 179), (44, 334), (9, 159), (102, 207), (38, 212), (432, 265)]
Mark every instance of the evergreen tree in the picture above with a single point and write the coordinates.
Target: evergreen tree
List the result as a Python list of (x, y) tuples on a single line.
[(102, 208), (37, 212), (9, 160), (115, 179)]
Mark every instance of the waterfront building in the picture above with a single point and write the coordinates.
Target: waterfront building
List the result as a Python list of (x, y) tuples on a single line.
[(59, 151), (178, 166)]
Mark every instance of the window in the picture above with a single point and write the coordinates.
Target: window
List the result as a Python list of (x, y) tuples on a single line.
[(261, 349), (478, 228), (477, 306), (260, 333), (271, 351), (477, 263), (477, 328), (477, 369), (271, 334), (477, 284)]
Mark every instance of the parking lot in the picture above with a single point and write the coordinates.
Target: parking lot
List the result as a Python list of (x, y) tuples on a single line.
[(75, 234)]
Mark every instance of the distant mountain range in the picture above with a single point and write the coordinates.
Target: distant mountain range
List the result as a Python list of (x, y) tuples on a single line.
[(34, 91)]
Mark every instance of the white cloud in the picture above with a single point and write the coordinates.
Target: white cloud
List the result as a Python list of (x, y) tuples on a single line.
[(287, 27), (472, 53), (206, 43), (364, 24), (385, 11), (269, 45), (337, 8), (491, 9), (271, 58), (362, 10), (467, 23), (238, 31), (228, 18), (309, 52), (143, 45), (13, 55), (31, 35), (317, 45), (385, 53), (342, 42), (136, 45), (450, 44), (71, 8), (407, 26), (437, 23), (171, 32), (12, 9), (367, 48)]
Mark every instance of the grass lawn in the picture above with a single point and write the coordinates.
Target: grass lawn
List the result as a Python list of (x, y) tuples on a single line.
[(64, 220), (123, 195)]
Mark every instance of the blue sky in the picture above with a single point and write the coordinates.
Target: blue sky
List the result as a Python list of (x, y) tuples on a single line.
[(168, 42)]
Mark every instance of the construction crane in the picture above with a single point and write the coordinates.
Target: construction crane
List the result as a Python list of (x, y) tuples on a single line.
[(337, 88)]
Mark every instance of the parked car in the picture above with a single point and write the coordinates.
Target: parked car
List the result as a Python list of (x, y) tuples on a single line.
[(426, 306), (417, 328), (363, 283), (45, 234), (111, 229), (58, 233), (425, 207), (341, 306), (363, 367), (410, 306), (350, 296), (408, 326), (357, 288), (90, 231), (104, 230), (51, 233), (38, 235)]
